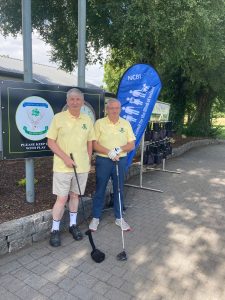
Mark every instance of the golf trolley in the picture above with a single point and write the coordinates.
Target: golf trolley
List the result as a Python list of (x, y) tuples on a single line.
[(155, 148), (158, 145)]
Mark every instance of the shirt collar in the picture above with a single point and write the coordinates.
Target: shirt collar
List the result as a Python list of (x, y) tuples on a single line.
[(73, 117), (110, 122)]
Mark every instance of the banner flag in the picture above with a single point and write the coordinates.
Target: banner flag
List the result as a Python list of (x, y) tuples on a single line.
[(138, 91)]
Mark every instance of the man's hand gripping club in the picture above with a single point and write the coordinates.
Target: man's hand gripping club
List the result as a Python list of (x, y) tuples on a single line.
[(114, 153)]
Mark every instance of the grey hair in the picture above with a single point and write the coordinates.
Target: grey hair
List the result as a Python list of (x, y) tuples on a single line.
[(112, 100), (74, 91)]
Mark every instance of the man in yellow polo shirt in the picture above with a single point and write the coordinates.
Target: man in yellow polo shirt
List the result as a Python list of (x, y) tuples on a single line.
[(70, 132), (114, 138)]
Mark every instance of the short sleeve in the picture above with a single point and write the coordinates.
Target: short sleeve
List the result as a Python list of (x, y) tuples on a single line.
[(91, 135), (53, 130), (97, 130)]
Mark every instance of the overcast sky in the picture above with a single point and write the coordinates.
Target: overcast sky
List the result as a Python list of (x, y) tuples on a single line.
[(13, 47)]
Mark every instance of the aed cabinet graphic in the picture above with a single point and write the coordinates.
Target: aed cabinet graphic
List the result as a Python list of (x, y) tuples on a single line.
[(27, 110)]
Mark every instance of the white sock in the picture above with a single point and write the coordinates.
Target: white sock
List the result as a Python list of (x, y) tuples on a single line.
[(73, 218), (55, 225)]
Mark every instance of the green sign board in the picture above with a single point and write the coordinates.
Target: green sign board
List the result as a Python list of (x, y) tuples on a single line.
[(160, 111), (27, 110)]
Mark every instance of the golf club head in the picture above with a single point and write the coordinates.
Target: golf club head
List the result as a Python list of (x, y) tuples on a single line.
[(97, 255), (122, 256)]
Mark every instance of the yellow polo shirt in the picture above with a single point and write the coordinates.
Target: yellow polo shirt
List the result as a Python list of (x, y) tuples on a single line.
[(72, 135), (111, 135)]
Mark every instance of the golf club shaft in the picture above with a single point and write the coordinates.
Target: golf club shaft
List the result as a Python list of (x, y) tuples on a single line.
[(75, 172), (78, 184), (97, 255), (118, 183)]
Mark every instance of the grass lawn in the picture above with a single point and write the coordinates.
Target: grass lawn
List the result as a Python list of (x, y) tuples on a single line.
[(221, 123), (221, 134)]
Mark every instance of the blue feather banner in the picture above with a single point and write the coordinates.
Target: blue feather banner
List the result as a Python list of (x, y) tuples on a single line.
[(138, 91)]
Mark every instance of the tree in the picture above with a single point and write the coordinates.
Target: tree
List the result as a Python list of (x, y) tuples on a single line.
[(183, 40)]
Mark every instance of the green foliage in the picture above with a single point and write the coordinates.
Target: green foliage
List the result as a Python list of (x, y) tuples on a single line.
[(184, 40), (218, 109), (22, 182), (220, 132), (114, 69)]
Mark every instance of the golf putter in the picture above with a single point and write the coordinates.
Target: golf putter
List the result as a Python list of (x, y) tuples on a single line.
[(97, 255), (122, 255)]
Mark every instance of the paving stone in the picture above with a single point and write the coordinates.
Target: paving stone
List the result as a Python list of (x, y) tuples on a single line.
[(4, 279), (66, 284), (131, 288), (62, 295), (82, 292), (40, 269), (14, 285), (35, 281), (86, 267), (6, 295), (115, 281), (176, 251), (115, 294), (86, 280), (53, 276), (5, 259), (40, 252), (49, 289), (101, 287), (45, 260), (100, 274), (7, 268), (33, 264), (26, 259), (72, 272), (118, 271), (29, 293), (98, 297), (22, 273), (59, 266)]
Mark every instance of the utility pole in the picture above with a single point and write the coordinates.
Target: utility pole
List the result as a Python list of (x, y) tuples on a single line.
[(81, 42), (27, 63)]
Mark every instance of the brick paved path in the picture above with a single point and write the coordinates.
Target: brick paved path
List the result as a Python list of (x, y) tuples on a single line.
[(176, 250)]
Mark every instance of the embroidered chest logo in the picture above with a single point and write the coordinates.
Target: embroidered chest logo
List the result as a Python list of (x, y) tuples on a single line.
[(84, 126), (122, 130)]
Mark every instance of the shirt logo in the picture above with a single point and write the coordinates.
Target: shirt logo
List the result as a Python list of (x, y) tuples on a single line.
[(84, 126), (122, 130)]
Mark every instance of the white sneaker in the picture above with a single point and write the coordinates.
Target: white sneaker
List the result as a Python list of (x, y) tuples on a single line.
[(94, 224), (125, 226)]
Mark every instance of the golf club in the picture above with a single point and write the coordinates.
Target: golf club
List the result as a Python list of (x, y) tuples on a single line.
[(97, 255), (122, 255)]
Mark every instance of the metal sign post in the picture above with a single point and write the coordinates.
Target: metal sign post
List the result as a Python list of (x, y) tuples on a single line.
[(141, 171), (27, 60), (81, 42), (163, 168)]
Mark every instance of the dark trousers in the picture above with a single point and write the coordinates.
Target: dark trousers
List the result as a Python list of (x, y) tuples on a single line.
[(106, 168)]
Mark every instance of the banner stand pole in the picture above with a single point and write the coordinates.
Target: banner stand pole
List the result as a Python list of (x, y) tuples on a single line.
[(163, 168), (141, 171)]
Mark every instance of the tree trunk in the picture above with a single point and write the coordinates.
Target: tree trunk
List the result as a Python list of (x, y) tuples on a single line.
[(178, 99), (177, 113), (201, 124)]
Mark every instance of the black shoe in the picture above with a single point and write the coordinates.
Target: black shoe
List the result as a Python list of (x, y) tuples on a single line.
[(55, 239), (76, 233)]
